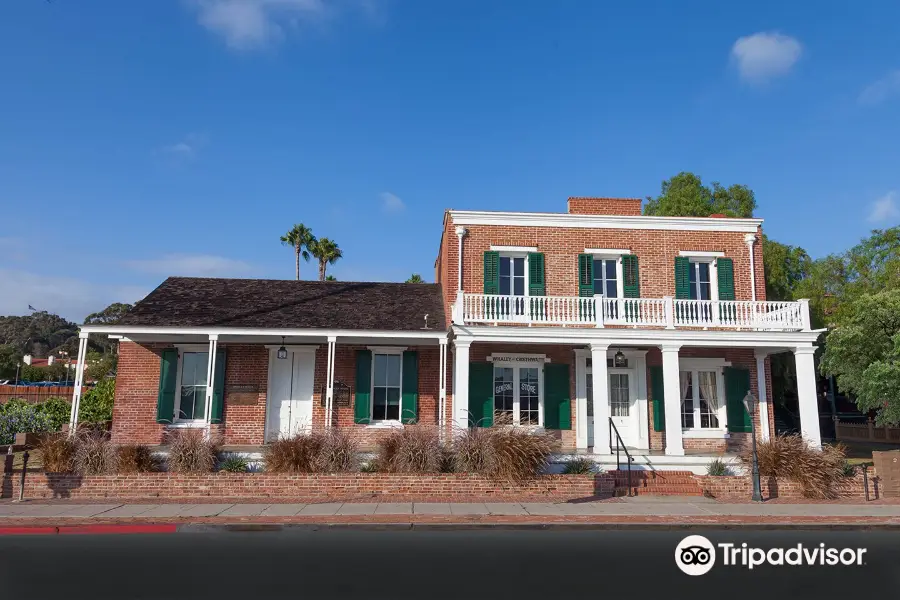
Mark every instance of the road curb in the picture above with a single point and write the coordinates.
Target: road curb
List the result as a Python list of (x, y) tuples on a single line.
[(362, 526), (91, 529)]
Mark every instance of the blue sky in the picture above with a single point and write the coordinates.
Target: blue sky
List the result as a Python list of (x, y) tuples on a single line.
[(153, 137)]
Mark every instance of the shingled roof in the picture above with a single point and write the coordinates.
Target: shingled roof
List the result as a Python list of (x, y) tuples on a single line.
[(266, 303)]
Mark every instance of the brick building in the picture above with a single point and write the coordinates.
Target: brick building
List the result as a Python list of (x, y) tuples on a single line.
[(652, 328)]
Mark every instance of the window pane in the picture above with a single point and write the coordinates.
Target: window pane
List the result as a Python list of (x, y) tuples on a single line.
[(393, 370), (598, 276), (704, 291), (503, 389), (193, 402), (393, 396), (193, 368), (518, 286), (610, 269), (380, 369), (619, 397), (704, 271), (504, 267), (611, 291), (504, 286), (529, 413), (519, 267), (590, 395), (693, 273), (393, 412)]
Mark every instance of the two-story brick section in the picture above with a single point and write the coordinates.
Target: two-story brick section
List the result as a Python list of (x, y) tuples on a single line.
[(609, 327)]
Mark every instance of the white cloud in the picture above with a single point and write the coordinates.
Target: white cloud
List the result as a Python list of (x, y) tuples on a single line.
[(390, 202), (12, 248), (252, 24), (765, 55), (885, 209), (68, 297), (881, 90), (190, 265), (187, 148)]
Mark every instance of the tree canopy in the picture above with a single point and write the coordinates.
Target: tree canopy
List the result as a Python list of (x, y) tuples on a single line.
[(684, 195)]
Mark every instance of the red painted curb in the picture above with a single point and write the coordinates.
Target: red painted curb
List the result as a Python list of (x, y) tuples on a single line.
[(94, 529), (27, 530)]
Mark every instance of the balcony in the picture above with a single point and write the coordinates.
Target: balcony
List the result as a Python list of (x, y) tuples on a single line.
[(598, 311)]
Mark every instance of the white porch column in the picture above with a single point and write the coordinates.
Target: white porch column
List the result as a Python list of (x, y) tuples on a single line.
[(763, 396), (211, 379), (442, 389), (806, 395), (79, 382), (600, 380), (672, 392), (461, 383), (750, 239), (329, 383), (581, 399)]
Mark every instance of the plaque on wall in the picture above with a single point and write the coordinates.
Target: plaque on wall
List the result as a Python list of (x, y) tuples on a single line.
[(341, 395), (242, 394)]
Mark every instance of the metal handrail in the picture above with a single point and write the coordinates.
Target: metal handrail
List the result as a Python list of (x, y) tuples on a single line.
[(620, 445)]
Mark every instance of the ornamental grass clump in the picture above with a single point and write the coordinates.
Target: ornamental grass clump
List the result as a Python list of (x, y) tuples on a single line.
[(580, 466), (339, 452), (820, 473), (95, 454), (504, 452), (411, 449), (191, 451), (136, 458), (297, 454), (57, 453)]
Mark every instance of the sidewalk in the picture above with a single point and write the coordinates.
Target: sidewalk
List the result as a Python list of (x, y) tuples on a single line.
[(647, 510)]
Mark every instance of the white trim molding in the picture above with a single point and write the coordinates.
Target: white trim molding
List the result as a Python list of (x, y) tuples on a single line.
[(387, 349), (132, 330), (701, 254), (525, 219), (514, 248), (606, 251)]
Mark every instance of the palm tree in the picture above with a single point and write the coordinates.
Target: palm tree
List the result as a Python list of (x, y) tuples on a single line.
[(331, 278), (301, 239), (327, 252), (415, 278)]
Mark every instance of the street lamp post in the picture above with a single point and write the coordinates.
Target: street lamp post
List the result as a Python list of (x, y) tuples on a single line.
[(751, 403)]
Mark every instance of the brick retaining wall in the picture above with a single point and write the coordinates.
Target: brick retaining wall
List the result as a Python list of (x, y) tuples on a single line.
[(169, 486), (740, 487)]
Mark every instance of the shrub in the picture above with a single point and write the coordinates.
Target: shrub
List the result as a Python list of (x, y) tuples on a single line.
[(848, 469), (234, 464), (818, 472), (97, 404), (339, 452), (718, 468), (191, 451), (580, 466), (369, 467), (136, 458), (57, 410), (95, 454), (297, 454), (503, 452), (18, 416), (57, 453), (412, 449)]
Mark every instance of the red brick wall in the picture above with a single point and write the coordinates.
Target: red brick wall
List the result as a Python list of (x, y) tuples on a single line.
[(656, 251), (342, 486), (741, 487), (605, 206), (137, 388)]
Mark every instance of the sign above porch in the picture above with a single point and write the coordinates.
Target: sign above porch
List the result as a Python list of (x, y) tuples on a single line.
[(518, 358)]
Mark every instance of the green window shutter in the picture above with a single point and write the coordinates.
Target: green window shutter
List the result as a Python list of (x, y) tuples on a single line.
[(491, 272), (409, 388), (362, 401), (682, 278), (657, 394), (585, 274), (481, 394), (725, 274), (165, 401), (631, 276), (737, 384), (536, 286), (218, 388), (557, 400)]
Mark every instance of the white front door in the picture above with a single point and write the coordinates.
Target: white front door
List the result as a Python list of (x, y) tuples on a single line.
[(622, 407), (289, 400)]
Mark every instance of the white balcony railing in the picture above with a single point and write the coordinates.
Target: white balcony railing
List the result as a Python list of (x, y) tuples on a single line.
[(599, 311)]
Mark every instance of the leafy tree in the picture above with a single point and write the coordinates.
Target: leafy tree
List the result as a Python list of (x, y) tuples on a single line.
[(9, 359), (327, 253), (785, 267), (57, 410), (415, 278), (99, 365), (108, 316), (301, 239), (863, 352), (37, 334), (684, 195), (97, 404)]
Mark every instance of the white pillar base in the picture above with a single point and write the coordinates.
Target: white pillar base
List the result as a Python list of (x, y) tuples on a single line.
[(672, 391), (807, 396), (599, 373), (461, 384)]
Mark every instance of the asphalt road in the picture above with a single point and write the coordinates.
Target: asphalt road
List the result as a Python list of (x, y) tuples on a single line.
[(330, 563)]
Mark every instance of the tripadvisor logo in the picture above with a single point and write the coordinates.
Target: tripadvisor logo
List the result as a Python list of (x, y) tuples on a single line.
[(696, 555)]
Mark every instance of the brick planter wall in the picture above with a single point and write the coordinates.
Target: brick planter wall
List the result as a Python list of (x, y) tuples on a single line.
[(168, 486), (740, 487)]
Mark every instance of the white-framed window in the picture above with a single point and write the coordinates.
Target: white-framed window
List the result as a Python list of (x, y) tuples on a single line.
[(702, 398), (513, 274), (701, 279), (519, 393), (190, 392), (387, 378), (607, 276)]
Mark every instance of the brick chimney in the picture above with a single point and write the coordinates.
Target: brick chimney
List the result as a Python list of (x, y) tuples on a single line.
[(605, 206)]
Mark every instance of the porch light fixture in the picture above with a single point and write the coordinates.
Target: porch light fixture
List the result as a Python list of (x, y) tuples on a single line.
[(619, 360), (750, 404), (282, 352)]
